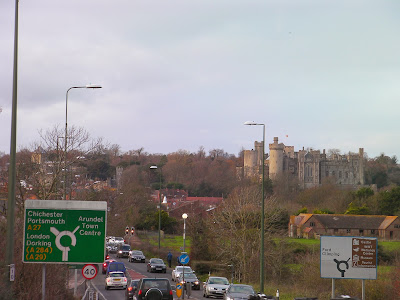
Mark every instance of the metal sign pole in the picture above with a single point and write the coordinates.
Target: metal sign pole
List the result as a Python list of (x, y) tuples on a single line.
[(76, 281), (333, 287), (43, 281), (363, 290)]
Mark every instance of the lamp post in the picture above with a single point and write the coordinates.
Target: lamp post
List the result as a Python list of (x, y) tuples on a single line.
[(159, 211), (262, 209), (185, 287), (89, 86), (184, 217)]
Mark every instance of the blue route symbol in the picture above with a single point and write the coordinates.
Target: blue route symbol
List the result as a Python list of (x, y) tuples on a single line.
[(184, 259)]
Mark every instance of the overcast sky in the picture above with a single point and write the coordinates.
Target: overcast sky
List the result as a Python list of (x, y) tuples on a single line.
[(185, 74)]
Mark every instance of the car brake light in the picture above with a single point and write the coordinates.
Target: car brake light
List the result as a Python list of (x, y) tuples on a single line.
[(105, 264), (170, 292), (140, 292), (130, 289)]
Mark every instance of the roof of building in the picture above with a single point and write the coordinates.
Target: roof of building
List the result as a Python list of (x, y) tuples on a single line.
[(334, 221), (388, 220)]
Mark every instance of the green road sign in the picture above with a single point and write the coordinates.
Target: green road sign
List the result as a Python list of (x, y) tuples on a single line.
[(61, 231)]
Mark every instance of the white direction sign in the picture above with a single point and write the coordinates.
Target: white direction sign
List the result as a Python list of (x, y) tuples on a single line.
[(349, 257)]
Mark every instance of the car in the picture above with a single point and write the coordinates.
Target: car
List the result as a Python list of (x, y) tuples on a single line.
[(123, 250), (136, 256), (116, 266), (156, 265), (112, 248), (119, 240), (131, 289), (154, 288), (116, 280), (239, 291), (178, 270), (215, 286), (105, 265), (189, 278)]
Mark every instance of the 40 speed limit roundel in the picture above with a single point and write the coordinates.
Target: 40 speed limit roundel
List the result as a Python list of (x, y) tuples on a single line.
[(89, 271)]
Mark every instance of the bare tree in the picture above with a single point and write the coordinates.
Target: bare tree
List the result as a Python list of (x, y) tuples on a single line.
[(235, 228), (49, 161)]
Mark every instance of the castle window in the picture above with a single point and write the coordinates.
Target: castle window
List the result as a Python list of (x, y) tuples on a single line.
[(333, 173), (340, 174), (346, 174), (327, 173)]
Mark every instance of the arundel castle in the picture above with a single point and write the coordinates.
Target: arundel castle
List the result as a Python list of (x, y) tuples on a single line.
[(311, 167)]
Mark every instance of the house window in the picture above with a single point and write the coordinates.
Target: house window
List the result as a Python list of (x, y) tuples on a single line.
[(372, 231), (396, 225), (312, 224), (335, 230), (348, 230), (361, 231)]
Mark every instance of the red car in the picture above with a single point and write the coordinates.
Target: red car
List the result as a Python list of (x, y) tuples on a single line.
[(105, 265)]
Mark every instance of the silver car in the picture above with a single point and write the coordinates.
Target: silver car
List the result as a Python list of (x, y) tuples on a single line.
[(178, 270), (239, 292), (215, 286)]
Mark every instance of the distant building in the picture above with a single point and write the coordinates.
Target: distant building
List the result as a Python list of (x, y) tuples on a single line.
[(311, 167), (315, 225)]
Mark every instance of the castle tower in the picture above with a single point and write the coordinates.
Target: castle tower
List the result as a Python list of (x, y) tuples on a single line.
[(275, 158), (361, 166)]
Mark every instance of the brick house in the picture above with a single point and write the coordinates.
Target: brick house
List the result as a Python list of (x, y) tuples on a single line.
[(315, 225)]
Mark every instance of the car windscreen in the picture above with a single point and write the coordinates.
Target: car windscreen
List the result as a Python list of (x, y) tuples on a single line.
[(241, 289), (157, 261), (159, 284), (137, 252), (117, 274), (219, 281), (126, 248), (189, 276)]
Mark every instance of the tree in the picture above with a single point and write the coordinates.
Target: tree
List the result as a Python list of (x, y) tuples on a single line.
[(389, 202), (357, 210), (235, 230)]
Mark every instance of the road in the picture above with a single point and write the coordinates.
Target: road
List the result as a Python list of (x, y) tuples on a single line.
[(135, 271)]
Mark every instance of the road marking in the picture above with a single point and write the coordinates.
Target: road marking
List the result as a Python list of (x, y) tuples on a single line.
[(95, 287)]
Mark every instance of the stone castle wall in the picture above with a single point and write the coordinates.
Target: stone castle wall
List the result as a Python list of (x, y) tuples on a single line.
[(310, 166)]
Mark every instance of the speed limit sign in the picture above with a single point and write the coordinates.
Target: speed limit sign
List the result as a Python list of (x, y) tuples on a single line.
[(89, 271)]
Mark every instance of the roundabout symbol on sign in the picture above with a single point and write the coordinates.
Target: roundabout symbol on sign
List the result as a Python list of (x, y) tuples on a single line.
[(89, 271)]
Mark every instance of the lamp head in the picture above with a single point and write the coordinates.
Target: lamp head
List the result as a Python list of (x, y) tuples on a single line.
[(184, 216), (93, 86), (165, 200), (153, 167), (250, 123)]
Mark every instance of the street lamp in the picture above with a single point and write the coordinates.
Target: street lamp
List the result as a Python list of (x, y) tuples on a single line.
[(159, 212), (88, 86), (262, 209), (185, 287), (184, 217)]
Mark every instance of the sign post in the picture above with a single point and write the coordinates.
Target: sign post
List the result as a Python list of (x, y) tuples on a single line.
[(345, 257), (64, 232)]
